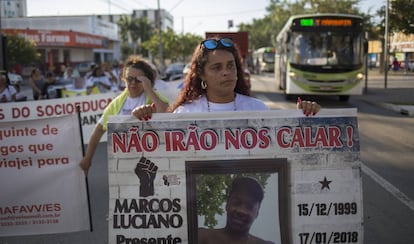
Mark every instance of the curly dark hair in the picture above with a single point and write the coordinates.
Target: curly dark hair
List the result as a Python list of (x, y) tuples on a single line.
[(249, 186), (96, 69), (192, 85), (135, 61)]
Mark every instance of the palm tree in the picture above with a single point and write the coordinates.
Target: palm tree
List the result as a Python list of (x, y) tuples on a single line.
[(134, 32)]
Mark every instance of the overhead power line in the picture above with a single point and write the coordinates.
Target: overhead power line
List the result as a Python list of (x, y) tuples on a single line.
[(224, 14)]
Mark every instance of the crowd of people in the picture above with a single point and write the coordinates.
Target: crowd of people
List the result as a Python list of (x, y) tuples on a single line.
[(99, 79)]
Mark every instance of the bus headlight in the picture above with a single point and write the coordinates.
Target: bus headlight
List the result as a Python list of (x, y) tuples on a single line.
[(360, 76), (292, 75)]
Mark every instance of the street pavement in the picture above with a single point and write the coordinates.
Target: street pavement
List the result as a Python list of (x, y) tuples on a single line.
[(398, 95)]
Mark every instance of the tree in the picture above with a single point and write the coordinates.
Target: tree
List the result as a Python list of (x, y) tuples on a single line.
[(176, 47), (140, 36), (263, 31), (333, 6), (213, 191), (133, 33), (21, 51), (401, 18), (259, 35)]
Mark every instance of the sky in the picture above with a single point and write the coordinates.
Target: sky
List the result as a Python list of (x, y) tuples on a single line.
[(193, 16)]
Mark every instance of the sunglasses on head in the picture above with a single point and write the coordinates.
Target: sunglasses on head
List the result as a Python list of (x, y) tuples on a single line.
[(212, 44)]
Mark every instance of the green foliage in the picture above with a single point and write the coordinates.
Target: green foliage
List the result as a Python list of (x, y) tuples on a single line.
[(333, 6), (126, 49), (133, 33), (175, 47), (401, 18), (263, 31), (138, 36), (212, 193), (21, 51)]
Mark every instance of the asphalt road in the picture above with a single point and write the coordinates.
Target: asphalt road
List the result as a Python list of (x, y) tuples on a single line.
[(387, 151)]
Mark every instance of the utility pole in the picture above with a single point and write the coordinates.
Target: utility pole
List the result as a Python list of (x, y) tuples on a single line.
[(386, 44), (160, 47), (366, 62), (2, 55)]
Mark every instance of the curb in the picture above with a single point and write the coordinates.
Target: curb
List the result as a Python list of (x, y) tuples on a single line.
[(407, 110), (402, 109)]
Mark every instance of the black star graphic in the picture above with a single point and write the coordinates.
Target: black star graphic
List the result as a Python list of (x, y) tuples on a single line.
[(325, 183)]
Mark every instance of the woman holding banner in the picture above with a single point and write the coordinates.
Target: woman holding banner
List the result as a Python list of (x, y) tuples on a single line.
[(215, 83), (36, 81), (139, 78)]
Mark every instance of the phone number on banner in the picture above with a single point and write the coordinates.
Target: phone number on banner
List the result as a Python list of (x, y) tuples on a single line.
[(30, 222)]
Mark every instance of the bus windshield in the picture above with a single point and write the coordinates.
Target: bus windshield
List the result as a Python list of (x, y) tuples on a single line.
[(269, 57), (326, 49)]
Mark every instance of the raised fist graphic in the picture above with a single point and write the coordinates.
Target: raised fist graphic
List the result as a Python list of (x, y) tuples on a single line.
[(146, 171)]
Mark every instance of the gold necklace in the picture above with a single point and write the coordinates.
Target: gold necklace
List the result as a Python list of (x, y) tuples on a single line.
[(234, 104)]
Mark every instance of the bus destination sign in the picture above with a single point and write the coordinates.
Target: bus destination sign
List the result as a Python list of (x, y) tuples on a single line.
[(318, 22)]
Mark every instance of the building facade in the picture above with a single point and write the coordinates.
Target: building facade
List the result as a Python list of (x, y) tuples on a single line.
[(402, 49), (69, 40)]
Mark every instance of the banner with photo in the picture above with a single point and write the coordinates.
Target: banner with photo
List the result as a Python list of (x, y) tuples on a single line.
[(43, 189), (172, 178)]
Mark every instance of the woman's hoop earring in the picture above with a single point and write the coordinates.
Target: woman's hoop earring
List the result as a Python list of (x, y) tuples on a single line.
[(203, 85)]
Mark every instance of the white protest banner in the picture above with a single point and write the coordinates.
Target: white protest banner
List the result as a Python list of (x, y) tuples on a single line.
[(43, 189), (170, 177), (91, 110)]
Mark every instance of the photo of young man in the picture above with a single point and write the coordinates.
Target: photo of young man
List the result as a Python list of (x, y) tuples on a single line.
[(242, 208)]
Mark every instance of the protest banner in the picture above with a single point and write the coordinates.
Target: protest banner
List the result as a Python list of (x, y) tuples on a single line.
[(91, 108), (73, 92), (170, 176), (43, 189)]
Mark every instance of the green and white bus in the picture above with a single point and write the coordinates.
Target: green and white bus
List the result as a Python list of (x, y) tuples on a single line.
[(321, 54), (264, 59)]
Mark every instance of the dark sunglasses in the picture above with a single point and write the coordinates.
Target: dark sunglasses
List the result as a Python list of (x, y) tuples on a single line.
[(131, 79), (212, 44)]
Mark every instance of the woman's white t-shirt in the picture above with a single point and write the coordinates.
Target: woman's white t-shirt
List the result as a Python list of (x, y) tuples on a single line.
[(240, 103), (99, 82), (8, 93), (129, 104)]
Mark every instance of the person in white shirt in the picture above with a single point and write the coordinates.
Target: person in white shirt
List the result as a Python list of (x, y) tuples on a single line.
[(215, 83), (7, 91), (139, 78), (99, 80), (108, 72), (116, 70)]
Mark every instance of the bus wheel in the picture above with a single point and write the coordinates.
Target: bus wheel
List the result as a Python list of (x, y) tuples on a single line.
[(344, 98)]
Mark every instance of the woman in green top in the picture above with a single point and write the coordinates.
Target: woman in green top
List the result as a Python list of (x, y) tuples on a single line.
[(139, 78)]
